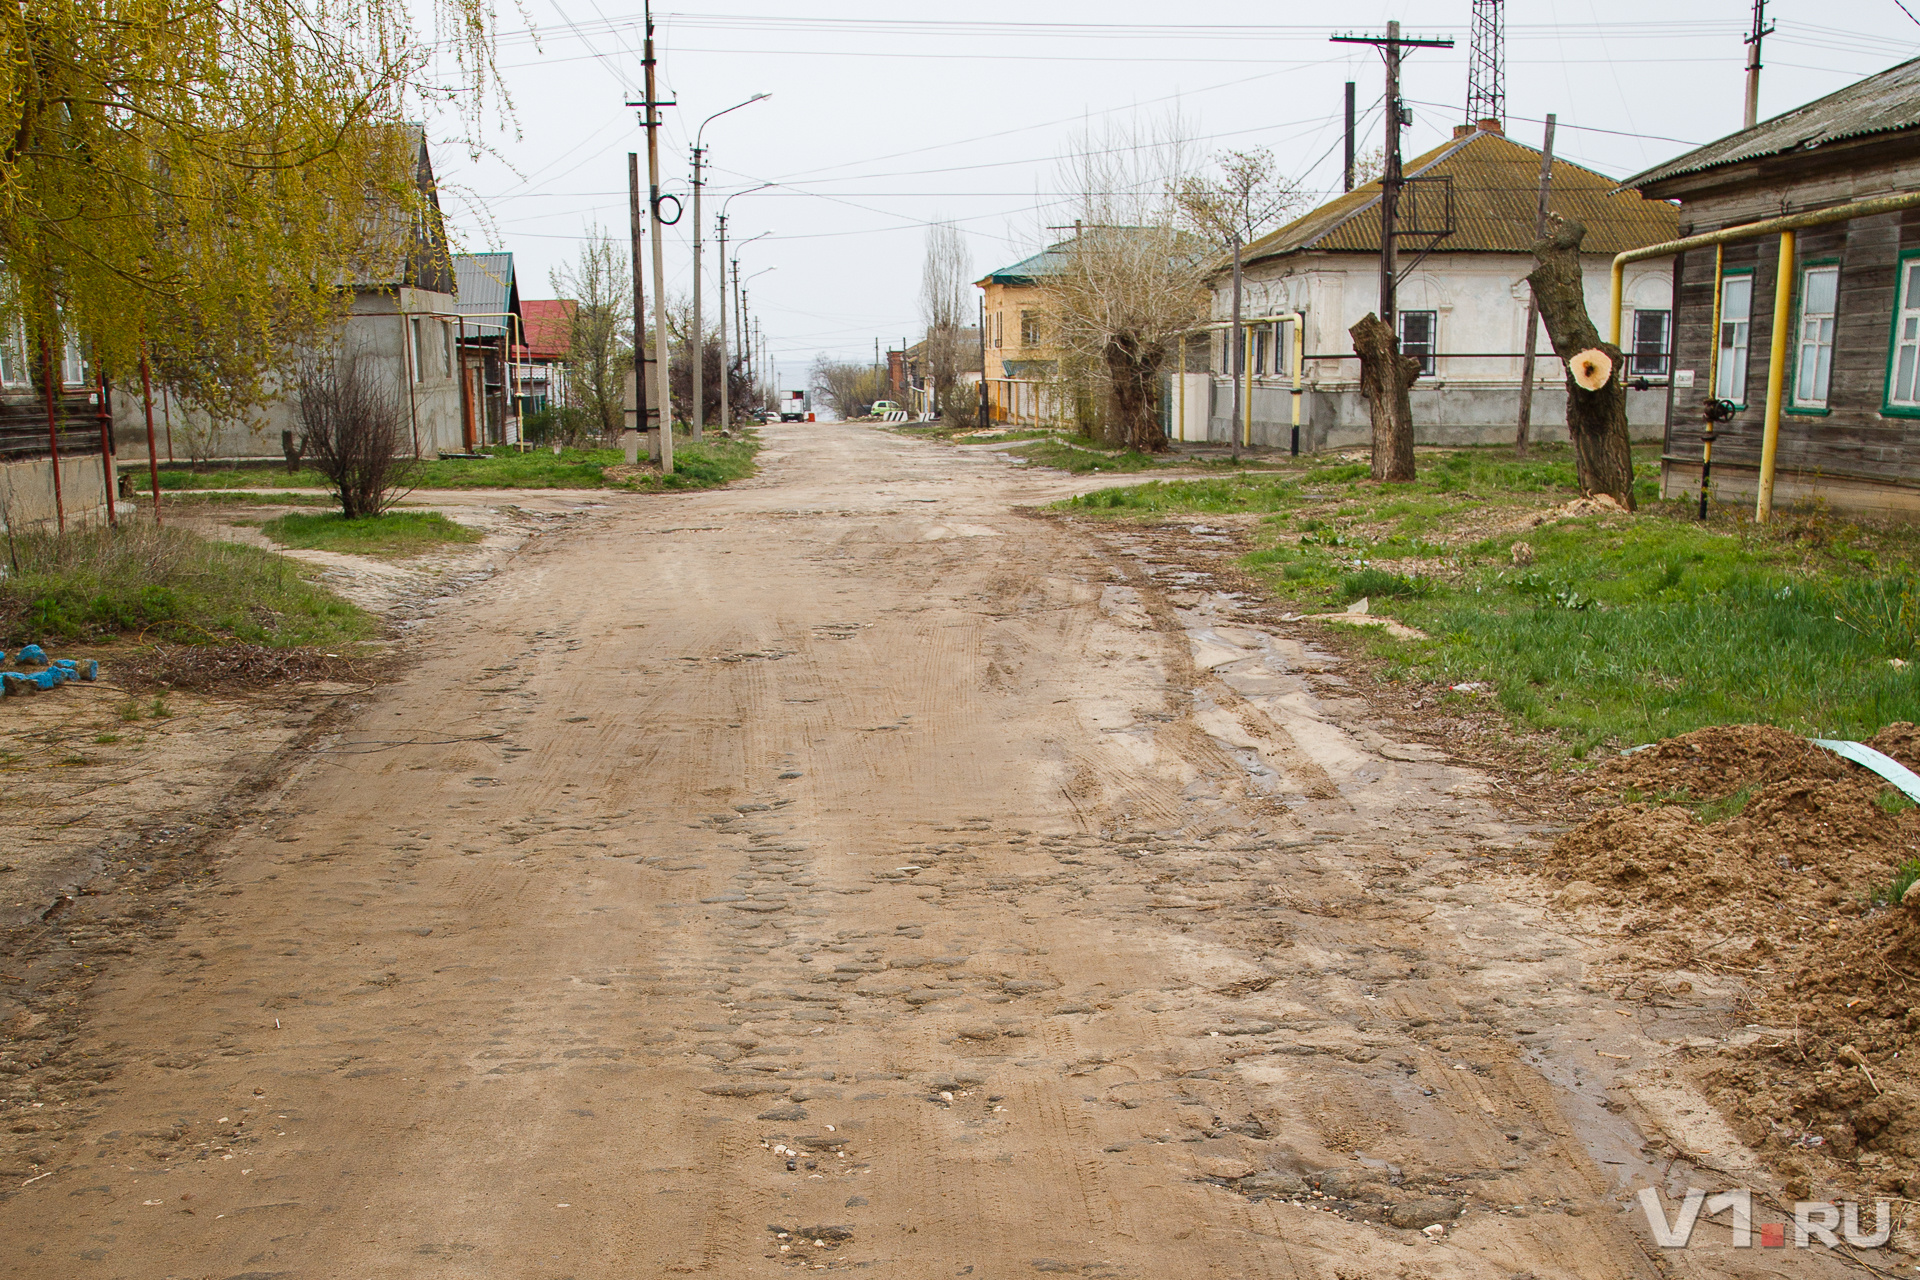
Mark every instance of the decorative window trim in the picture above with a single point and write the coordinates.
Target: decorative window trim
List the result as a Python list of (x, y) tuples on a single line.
[(1888, 408), (1745, 378), (1790, 391)]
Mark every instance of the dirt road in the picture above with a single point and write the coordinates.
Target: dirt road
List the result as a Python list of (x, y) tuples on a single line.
[(847, 871)]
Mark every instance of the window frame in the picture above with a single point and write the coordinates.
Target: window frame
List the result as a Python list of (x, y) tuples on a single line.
[(1430, 362), (1746, 368), (1665, 355), (1790, 401), (1889, 407)]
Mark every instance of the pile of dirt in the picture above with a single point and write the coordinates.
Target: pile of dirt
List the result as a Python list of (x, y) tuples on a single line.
[(1712, 763), (217, 668), (1775, 886), (1833, 1096)]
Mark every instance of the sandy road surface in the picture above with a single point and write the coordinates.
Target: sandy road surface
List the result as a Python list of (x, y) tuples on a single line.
[(958, 892)]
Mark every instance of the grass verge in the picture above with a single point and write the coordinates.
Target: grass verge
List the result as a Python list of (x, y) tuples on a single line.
[(393, 534), (1604, 629), (714, 461), (1066, 455), (165, 584)]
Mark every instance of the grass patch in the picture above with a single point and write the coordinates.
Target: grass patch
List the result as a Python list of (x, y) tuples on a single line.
[(392, 534), (1080, 459), (707, 465), (1893, 801), (1905, 876), (165, 584), (1601, 629), (713, 461)]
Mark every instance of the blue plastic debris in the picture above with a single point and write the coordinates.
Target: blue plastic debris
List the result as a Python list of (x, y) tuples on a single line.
[(32, 656), (1867, 758)]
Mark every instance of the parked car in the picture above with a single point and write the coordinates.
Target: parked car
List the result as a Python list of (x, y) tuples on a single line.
[(881, 408)]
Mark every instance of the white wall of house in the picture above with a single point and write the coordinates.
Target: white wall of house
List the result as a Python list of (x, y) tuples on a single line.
[(1478, 306)]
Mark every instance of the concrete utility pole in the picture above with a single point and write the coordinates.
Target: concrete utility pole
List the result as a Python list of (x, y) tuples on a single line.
[(1397, 117), (1533, 303), (699, 240), (1753, 38), (650, 120)]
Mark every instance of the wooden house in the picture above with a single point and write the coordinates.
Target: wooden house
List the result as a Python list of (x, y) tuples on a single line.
[(1846, 399)]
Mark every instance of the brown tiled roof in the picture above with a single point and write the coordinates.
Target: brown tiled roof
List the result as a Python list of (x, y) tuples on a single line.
[(549, 326), (1496, 186)]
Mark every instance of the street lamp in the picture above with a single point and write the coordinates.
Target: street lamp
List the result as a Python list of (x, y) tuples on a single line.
[(699, 240), (759, 364), (726, 410), (754, 363), (739, 307)]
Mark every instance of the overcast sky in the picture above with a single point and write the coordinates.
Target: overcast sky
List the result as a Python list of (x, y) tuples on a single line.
[(885, 117)]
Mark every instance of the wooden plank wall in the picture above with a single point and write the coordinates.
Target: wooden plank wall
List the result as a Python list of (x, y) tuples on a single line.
[(1853, 439)]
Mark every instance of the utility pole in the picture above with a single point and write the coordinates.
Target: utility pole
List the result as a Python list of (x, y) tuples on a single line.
[(740, 318), (1533, 303), (1397, 117), (640, 414), (699, 241), (650, 120), (726, 412), (1349, 169), (1753, 38), (1235, 358)]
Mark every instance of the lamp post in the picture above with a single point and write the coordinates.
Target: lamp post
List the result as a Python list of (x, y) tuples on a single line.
[(699, 336), (726, 408), (758, 356)]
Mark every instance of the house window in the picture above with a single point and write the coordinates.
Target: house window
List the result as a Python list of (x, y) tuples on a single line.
[(1813, 362), (1258, 361), (1029, 329), (1736, 317), (73, 366), (13, 360), (446, 347), (1904, 388), (1650, 329), (1419, 331), (414, 359)]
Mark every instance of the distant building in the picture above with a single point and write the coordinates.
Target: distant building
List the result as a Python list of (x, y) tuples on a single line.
[(1850, 386), (542, 362), (1461, 305), (491, 330)]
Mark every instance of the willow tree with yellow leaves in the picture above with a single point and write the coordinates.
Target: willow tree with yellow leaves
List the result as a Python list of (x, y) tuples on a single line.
[(205, 179)]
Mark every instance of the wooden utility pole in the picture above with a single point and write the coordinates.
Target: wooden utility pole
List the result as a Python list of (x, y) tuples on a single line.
[(1348, 181), (1237, 339), (1753, 38), (1533, 303), (640, 412), (1384, 374)]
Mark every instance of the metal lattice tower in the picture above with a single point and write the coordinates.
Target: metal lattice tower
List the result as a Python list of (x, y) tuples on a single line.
[(1486, 64)]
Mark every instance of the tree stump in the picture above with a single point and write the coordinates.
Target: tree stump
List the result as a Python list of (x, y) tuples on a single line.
[(1385, 377), (1596, 391)]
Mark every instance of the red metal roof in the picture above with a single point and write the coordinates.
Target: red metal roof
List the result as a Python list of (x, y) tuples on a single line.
[(549, 325)]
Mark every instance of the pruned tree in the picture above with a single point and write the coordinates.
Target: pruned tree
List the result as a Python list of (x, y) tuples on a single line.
[(1386, 377), (599, 282), (1131, 281), (1246, 196), (946, 290), (200, 179), (1596, 392), (355, 430)]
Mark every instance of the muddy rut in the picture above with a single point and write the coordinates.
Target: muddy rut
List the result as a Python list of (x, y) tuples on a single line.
[(848, 871)]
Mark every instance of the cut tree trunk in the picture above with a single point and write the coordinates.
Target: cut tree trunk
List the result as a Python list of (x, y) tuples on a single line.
[(1596, 399), (1385, 379), (1133, 370)]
